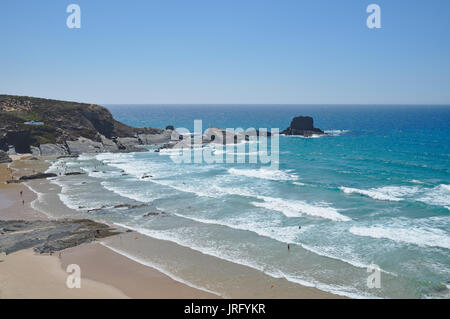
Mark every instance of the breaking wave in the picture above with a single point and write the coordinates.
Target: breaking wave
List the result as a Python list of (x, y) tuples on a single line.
[(431, 237), (264, 173), (437, 196)]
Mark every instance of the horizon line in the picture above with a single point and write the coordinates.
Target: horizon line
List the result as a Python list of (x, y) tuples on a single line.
[(236, 104), (287, 104)]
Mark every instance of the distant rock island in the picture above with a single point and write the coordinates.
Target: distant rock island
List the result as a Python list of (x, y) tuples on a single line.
[(67, 128), (303, 126)]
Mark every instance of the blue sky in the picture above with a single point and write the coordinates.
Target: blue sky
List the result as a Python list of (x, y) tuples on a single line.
[(227, 51)]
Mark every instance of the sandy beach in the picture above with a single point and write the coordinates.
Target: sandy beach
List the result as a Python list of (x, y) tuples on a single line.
[(25, 274), (121, 266)]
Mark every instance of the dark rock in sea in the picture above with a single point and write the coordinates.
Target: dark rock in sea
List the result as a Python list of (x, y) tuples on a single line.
[(37, 176), (149, 214), (4, 158), (170, 127), (129, 206), (74, 173), (95, 209), (50, 235), (212, 135), (165, 146), (119, 206), (303, 126)]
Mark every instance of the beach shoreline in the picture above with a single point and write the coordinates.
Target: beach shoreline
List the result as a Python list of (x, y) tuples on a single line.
[(18, 269), (122, 266)]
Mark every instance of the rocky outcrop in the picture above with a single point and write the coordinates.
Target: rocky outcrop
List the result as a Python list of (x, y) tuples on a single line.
[(150, 214), (120, 206), (212, 135), (303, 126), (53, 150), (69, 128), (37, 176), (4, 158), (50, 235), (74, 173), (158, 138)]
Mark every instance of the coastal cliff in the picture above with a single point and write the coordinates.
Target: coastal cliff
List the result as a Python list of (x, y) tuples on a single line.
[(51, 127)]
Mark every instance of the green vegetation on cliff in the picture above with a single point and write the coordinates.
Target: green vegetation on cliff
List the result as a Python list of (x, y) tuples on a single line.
[(63, 121)]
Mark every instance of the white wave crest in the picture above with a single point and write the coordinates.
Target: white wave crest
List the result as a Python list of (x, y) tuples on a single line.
[(431, 237), (264, 173), (387, 193), (297, 208), (336, 132), (289, 208), (300, 136), (439, 196)]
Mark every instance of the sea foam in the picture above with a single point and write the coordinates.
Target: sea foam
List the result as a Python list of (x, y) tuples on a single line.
[(439, 196), (431, 237), (387, 193), (436, 196), (265, 173), (298, 208)]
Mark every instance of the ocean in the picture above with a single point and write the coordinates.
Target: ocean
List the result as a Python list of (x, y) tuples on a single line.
[(372, 194)]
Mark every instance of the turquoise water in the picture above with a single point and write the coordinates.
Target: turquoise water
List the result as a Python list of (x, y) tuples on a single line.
[(375, 191)]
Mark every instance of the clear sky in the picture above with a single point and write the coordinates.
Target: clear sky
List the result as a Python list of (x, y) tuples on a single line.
[(227, 51)]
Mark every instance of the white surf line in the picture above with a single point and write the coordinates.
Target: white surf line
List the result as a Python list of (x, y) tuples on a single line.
[(303, 282), (415, 236), (35, 201), (158, 268), (356, 264)]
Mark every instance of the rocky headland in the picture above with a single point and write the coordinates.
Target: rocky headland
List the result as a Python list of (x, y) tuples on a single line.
[(49, 127)]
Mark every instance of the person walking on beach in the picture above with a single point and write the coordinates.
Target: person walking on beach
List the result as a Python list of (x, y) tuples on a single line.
[(289, 247), (21, 193), (23, 202)]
